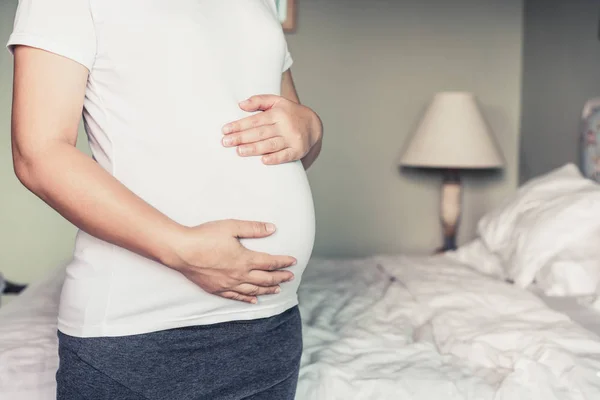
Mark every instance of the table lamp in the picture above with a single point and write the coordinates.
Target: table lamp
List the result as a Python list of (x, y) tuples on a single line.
[(452, 136)]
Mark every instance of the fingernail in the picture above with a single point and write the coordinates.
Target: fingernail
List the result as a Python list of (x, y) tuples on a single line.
[(295, 262), (242, 151), (228, 141), (270, 228), (253, 301), (278, 290), (291, 279), (227, 129)]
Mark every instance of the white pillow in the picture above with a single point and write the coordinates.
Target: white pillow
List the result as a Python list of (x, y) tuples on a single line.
[(479, 257), (536, 234), (574, 271)]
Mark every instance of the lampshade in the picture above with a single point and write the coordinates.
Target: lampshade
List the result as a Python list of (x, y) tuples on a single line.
[(453, 134)]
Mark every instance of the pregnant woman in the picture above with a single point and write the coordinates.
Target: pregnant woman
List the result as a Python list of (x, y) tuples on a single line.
[(195, 215)]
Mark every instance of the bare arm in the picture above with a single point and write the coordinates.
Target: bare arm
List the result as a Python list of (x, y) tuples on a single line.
[(47, 104), (288, 91)]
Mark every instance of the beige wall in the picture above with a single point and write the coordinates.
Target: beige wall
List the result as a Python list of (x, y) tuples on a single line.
[(369, 68)]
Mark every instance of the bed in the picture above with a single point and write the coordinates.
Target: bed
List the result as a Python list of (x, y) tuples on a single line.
[(431, 328), (511, 315), (380, 328)]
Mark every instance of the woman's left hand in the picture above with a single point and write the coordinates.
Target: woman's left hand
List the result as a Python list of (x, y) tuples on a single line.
[(284, 131)]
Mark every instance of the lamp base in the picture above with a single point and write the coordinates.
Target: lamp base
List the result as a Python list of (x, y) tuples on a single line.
[(450, 209), (449, 244)]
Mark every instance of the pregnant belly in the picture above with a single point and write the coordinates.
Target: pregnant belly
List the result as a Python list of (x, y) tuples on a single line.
[(194, 187), (249, 190)]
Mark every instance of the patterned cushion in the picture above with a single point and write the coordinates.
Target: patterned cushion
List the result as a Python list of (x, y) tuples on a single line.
[(590, 140)]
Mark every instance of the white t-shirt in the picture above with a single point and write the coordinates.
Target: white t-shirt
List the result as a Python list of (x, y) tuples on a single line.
[(165, 76)]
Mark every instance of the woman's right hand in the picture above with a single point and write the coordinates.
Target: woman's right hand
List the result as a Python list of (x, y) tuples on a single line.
[(211, 256)]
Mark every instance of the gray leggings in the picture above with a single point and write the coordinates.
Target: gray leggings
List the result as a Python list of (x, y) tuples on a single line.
[(250, 360)]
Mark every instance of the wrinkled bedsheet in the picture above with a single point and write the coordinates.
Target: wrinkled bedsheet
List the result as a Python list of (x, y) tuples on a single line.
[(432, 328)]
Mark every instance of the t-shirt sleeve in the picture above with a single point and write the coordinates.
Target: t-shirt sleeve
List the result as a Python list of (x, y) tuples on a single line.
[(63, 27), (287, 63)]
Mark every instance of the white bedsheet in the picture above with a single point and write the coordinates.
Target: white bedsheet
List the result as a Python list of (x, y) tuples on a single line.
[(577, 308), (28, 342), (438, 331), (378, 328)]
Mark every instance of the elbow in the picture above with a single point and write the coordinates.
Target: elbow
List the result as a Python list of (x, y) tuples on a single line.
[(37, 164), (24, 168), (22, 172)]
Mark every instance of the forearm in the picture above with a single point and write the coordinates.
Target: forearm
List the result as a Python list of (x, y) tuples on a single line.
[(94, 201)]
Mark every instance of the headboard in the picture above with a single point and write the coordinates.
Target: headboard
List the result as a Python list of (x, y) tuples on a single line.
[(590, 140)]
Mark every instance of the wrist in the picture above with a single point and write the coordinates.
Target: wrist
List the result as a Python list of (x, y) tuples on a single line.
[(169, 253)]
